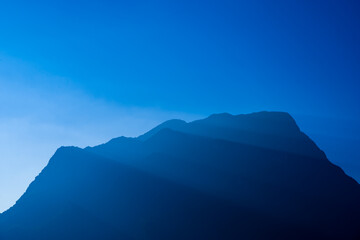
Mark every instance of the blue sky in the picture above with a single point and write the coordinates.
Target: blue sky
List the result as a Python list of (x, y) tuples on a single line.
[(81, 72)]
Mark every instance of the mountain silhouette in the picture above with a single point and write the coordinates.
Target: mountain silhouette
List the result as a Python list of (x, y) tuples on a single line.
[(250, 176)]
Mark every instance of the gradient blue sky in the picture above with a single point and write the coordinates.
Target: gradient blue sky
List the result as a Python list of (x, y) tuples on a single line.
[(81, 72)]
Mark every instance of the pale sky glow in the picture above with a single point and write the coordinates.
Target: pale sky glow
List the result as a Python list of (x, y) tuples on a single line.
[(37, 117)]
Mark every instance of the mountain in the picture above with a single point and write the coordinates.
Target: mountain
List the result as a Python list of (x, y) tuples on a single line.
[(251, 176)]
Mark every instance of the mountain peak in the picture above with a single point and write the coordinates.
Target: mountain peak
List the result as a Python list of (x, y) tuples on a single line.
[(266, 122), (174, 124), (221, 115)]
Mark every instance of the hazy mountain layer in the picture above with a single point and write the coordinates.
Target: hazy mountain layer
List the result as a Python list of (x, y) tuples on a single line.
[(254, 176)]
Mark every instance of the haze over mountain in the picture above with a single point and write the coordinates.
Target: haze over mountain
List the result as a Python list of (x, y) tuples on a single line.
[(252, 176)]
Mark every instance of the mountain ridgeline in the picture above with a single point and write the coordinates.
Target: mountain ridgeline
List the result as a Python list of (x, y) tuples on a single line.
[(251, 176)]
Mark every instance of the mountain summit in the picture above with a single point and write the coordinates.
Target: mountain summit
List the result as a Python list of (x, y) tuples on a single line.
[(249, 176)]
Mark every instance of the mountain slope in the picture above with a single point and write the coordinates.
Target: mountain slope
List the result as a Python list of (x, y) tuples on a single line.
[(253, 176)]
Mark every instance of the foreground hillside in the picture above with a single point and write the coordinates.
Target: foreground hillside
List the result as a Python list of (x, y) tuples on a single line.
[(254, 176)]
